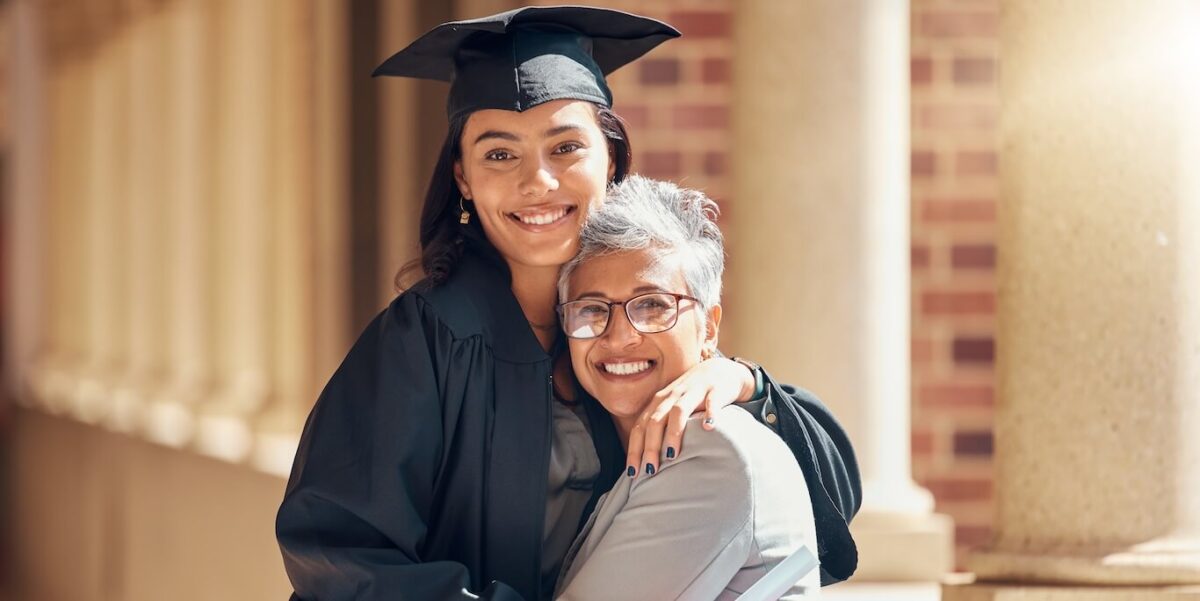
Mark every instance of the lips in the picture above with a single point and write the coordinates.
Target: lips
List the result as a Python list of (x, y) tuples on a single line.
[(542, 216), (626, 367)]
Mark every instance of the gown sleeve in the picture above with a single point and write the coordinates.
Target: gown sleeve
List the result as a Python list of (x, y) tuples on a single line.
[(353, 518), (825, 455)]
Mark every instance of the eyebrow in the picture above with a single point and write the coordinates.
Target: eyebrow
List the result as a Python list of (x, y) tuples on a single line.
[(494, 134), (561, 129), (636, 291)]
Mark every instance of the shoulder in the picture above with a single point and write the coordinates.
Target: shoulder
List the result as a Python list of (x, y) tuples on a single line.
[(405, 341), (737, 437), (452, 305), (715, 480), (737, 456), (463, 304), (729, 457), (716, 455), (477, 301)]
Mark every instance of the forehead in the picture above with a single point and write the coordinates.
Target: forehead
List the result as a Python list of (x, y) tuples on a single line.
[(620, 274), (535, 122)]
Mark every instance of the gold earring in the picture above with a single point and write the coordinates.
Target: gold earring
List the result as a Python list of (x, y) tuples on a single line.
[(464, 217)]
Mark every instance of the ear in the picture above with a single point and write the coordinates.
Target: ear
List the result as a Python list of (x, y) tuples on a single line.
[(461, 180), (712, 327)]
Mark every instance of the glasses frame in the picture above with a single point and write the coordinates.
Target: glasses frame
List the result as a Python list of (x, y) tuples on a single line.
[(562, 318)]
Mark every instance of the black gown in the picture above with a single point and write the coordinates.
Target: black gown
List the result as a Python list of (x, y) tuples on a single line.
[(421, 472)]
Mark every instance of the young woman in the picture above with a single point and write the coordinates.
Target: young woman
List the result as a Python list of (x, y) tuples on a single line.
[(641, 305), (449, 457)]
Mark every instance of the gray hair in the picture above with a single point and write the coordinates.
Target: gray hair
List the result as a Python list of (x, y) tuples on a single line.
[(644, 214)]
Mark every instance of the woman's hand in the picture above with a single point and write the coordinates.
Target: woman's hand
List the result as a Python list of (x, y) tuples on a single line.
[(709, 385)]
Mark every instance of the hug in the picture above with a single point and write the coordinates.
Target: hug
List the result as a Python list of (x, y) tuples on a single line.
[(519, 423)]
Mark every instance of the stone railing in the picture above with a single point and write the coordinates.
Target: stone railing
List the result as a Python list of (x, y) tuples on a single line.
[(194, 244)]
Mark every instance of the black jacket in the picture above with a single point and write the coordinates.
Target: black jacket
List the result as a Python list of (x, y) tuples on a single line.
[(421, 472)]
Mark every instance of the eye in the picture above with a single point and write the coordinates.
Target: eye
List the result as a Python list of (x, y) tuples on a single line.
[(653, 303), (593, 310), (568, 147), (498, 155)]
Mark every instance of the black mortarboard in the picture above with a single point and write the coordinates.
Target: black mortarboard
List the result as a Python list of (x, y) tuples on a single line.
[(521, 58)]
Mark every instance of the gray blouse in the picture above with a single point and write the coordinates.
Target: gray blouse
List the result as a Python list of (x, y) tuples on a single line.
[(574, 467), (706, 526)]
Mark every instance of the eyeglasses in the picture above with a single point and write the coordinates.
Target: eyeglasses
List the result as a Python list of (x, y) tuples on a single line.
[(648, 313)]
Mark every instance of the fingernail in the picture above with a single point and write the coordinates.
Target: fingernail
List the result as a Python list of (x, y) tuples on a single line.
[(650, 469), (708, 421), (632, 471), (670, 452)]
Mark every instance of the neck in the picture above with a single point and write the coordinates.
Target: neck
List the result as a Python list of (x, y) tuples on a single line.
[(536, 290)]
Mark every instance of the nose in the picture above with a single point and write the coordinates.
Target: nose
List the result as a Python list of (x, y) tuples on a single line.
[(538, 178), (620, 333)]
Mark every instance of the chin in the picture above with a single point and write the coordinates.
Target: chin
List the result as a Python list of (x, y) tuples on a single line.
[(546, 255), (623, 404)]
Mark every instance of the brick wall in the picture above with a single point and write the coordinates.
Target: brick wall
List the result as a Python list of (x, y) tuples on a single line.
[(954, 69), (676, 100), (677, 104)]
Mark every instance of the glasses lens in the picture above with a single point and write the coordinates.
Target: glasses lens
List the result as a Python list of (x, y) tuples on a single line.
[(651, 313), (584, 319)]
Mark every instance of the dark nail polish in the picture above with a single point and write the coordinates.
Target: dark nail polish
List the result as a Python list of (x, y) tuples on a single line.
[(708, 421), (670, 452), (631, 471), (650, 469)]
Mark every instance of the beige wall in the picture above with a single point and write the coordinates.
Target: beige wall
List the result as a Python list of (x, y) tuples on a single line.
[(102, 516)]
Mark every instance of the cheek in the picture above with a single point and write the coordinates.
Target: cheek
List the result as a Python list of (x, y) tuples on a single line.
[(592, 185), (484, 188), (594, 170), (683, 352), (579, 353)]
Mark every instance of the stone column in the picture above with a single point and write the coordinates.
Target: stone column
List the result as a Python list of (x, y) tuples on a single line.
[(331, 121), (144, 248), (189, 199), (243, 229), (1098, 363), (818, 231), (291, 169), (401, 186), (105, 218), (66, 91), (68, 251), (25, 214)]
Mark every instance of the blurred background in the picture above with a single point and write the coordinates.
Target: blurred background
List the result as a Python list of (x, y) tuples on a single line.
[(992, 280)]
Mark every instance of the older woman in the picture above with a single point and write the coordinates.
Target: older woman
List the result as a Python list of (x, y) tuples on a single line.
[(641, 305)]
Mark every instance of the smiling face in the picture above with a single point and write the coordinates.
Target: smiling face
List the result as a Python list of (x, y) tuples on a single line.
[(532, 176), (623, 368)]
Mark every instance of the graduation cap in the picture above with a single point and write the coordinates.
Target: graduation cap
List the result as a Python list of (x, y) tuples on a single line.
[(521, 58)]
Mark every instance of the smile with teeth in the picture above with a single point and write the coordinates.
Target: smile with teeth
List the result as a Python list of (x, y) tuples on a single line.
[(627, 368), (542, 216)]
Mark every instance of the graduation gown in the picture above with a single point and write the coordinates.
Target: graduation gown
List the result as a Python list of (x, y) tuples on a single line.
[(422, 469)]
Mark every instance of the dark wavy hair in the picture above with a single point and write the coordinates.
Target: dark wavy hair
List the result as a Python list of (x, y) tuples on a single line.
[(441, 233)]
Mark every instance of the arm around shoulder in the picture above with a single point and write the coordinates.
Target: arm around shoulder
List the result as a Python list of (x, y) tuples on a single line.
[(826, 456)]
